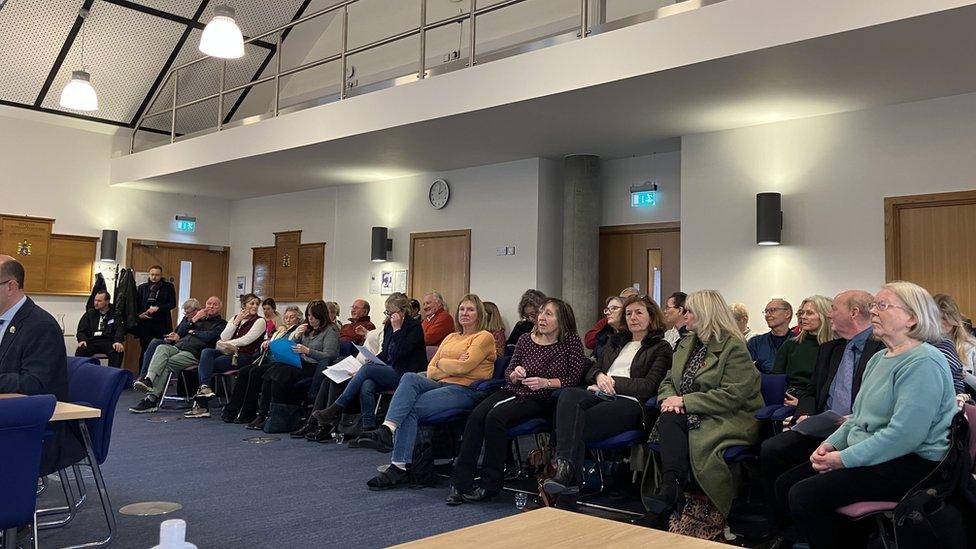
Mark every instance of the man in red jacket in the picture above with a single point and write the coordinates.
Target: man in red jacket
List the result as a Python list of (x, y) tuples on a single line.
[(358, 317), (438, 323)]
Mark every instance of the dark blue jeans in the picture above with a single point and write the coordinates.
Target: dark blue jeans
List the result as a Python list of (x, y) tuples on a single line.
[(369, 380), (212, 360)]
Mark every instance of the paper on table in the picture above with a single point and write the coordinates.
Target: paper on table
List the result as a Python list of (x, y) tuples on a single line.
[(820, 425), (342, 370)]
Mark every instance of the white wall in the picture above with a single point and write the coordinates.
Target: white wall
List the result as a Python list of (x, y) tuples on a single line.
[(58, 171), (499, 203), (834, 172), (618, 176)]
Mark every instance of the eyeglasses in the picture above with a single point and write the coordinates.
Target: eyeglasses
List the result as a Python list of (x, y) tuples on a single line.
[(773, 310), (390, 313), (6, 281), (884, 306), (611, 309)]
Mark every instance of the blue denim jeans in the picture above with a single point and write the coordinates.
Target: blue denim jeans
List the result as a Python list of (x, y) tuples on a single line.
[(369, 380), (417, 398), (147, 356), (212, 360)]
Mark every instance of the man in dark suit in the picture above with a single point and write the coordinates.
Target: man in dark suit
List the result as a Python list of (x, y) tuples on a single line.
[(33, 360), (836, 381)]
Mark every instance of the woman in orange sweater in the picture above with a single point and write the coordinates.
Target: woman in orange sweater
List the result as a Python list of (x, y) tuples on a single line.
[(464, 357)]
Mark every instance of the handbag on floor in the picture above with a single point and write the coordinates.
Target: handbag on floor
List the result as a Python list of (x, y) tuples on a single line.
[(284, 418), (700, 519)]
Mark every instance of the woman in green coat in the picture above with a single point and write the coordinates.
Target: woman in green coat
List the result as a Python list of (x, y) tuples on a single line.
[(798, 356), (708, 404)]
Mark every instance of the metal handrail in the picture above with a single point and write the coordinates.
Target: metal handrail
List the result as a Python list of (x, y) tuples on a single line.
[(343, 55), (345, 52)]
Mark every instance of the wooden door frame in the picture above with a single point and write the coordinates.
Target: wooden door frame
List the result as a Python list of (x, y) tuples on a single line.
[(894, 205), (466, 233), (660, 227), (225, 267)]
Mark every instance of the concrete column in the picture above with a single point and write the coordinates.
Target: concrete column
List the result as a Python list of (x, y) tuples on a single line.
[(582, 208)]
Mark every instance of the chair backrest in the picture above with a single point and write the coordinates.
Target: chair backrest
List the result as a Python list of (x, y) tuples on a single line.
[(970, 412), (346, 348), (431, 351), (501, 364), (76, 361), (22, 423), (99, 387), (509, 350), (773, 388)]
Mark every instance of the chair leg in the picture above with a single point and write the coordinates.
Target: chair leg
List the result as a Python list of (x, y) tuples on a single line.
[(102, 494), (71, 505), (518, 458), (34, 532), (880, 520), (82, 488)]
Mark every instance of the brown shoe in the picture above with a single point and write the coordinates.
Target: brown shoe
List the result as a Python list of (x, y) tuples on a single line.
[(257, 424)]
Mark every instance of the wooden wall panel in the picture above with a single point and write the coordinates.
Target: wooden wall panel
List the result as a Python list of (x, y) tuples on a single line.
[(263, 271), (311, 270), (35, 234), (286, 265), (70, 265), (55, 264)]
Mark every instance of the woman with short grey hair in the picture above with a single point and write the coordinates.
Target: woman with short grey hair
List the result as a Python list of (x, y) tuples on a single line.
[(899, 429)]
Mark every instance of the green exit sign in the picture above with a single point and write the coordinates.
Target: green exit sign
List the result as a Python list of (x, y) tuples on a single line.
[(186, 226), (641, 199)]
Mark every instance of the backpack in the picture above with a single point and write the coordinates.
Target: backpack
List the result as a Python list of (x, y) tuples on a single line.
[(931, 513), (433, 443)]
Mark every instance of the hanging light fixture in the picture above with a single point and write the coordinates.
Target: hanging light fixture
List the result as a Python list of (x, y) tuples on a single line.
[(222, 37), (78, 94)]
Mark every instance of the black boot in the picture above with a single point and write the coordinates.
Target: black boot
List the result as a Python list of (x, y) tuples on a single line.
[(257, 424), (328, 414), (564, 480), (309, 426), (322, 434), (668, 499)]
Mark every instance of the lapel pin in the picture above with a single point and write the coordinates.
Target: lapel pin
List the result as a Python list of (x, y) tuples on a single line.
[(13, 329)]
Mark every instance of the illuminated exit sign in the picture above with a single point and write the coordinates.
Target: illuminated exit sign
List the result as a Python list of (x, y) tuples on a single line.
[(641, 199), (186, 224)]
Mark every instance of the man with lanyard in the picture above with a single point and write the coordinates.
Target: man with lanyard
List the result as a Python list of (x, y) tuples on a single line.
[(101, 330)]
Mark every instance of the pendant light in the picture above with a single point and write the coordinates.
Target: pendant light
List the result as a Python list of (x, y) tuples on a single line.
[(222, 37), (78, 94)]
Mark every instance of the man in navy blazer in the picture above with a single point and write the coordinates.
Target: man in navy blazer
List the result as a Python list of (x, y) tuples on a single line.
[(33, 360)]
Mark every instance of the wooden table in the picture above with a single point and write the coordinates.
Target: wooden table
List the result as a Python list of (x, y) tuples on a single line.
[(66, 411), (548, 527)]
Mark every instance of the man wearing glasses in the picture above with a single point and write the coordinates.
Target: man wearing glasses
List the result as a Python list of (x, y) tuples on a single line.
[(33, 359), (763, 348)]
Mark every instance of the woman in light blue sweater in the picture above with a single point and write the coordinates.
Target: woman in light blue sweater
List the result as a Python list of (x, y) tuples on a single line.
[(899, 428)]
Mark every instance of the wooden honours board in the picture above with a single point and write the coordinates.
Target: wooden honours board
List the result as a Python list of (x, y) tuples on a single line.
[(54, 264), (289, 270)]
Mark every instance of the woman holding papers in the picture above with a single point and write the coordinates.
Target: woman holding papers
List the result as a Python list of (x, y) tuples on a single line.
[(243, 405), (464, 357), (899, 429), (316, 343), (548, 358), (402, 351)]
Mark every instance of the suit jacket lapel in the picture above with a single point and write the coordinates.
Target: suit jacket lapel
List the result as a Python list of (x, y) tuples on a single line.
[(834, 363), (12, 329)]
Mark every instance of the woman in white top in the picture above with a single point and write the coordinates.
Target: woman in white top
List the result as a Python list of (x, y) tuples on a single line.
[(629, 371)]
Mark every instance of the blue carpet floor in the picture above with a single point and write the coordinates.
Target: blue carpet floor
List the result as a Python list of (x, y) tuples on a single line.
[(288, 493)]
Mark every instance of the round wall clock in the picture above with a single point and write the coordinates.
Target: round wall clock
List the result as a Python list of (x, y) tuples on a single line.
[(439, 194)]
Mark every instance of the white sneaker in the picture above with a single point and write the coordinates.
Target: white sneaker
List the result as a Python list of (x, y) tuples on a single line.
[(197, 412), (205, 392)]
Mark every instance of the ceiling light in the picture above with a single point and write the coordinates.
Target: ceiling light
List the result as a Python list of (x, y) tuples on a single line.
[(78, 94), (222, 37)]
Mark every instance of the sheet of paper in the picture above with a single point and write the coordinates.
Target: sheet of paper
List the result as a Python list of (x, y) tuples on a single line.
[(370, 357), (400, 281), (374, 284), (343, 370)]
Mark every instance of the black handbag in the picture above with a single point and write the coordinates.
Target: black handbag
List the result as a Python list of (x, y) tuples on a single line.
[(284, 418)]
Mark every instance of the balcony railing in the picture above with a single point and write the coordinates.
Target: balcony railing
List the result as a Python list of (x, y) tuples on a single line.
[(588, 25)]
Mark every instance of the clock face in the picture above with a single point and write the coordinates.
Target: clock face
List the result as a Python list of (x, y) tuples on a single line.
[(439, 194)]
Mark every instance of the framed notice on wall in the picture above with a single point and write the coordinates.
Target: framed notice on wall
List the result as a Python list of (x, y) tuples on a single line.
[(400, 281), (386, 283)]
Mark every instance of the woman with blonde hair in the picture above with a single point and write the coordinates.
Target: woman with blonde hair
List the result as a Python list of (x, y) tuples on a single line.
[(898, 432), (741, 315), (496, 325), (954, 329), (798, 356), (465, 356), (708, 403)]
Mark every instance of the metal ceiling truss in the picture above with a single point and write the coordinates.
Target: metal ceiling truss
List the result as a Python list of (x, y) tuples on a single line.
[(191, 23)]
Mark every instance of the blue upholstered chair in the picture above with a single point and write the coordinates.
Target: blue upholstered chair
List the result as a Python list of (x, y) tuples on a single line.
[(22, 424)]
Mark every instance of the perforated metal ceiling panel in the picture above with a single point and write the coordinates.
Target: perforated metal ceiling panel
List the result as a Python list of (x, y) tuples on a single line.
[(31, 35), (124, 52), (183, 8)]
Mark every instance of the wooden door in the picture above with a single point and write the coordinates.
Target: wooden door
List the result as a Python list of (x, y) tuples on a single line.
[(207, 267), (647, 256), (441, 261), (931, 240)]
